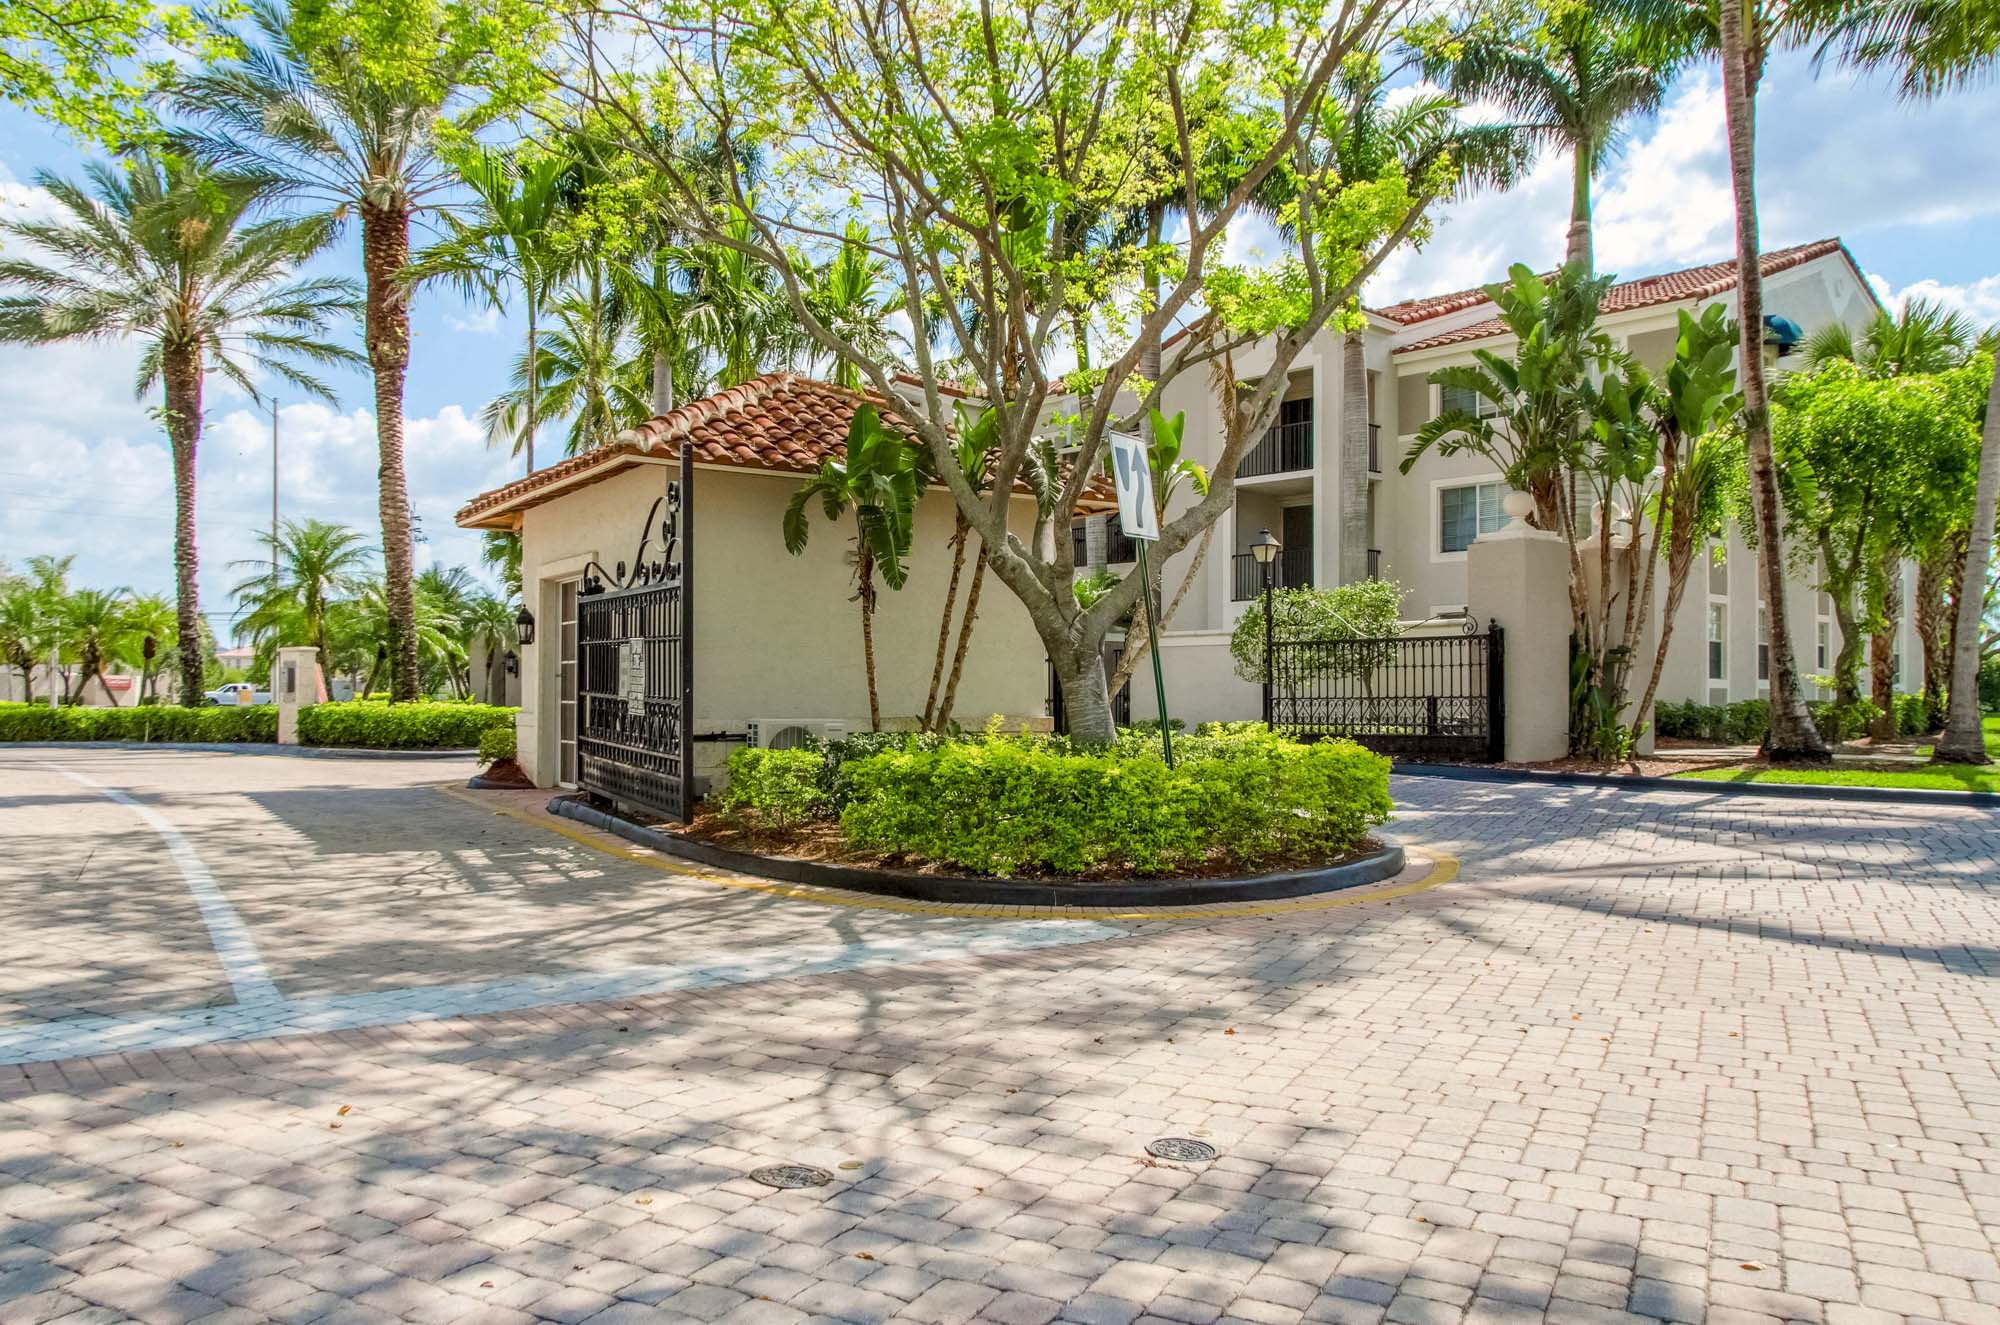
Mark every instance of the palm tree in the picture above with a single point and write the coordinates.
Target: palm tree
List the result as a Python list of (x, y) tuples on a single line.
[(518, 201), (486, 626), (154, 628), (1570, 77), (1925, 337), (333, 131), (877, 482), (736, 309), (160, 252), (318, 564), (23, 628), (95, 622), (849, 295), (587, 374)]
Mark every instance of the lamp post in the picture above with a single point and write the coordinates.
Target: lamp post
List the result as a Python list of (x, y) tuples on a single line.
[(1265, 549)]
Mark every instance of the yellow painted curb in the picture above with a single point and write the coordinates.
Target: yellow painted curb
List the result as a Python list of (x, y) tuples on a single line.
[(1443, 870)]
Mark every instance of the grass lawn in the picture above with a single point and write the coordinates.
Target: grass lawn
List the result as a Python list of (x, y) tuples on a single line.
[(1943, 777)]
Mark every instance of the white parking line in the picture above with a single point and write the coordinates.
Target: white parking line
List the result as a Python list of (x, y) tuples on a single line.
[(234, 947), (81, 1037)]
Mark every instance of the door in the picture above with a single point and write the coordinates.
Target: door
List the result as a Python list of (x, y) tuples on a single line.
[(566, 685)]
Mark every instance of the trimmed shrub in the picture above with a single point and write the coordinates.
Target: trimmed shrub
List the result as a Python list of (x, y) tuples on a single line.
[(1843, 722), (37, 722), (1747, 720), (1913, 715), (421, 726), (496, 743), (1002, 805), (785, 787)]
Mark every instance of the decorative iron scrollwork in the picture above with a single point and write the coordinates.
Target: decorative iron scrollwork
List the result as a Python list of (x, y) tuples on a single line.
[(663, 521)]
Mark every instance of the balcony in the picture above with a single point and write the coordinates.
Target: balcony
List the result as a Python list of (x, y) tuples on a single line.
[(1374, 563), (1286, 449), (1375, 448), (1246, 579)]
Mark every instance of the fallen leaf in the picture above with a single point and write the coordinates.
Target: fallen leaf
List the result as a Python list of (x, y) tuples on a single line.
[(1752, 1265), (1574, 1016), (863, 1256), (642, 1200), (1732, 1035), (1420, 1218), (1232, 1029), (850, 1163), (333, 1127), (486, 1283), (177, 1144), (343, 1110)]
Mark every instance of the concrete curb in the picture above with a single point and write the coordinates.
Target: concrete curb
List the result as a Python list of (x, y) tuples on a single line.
[(243, 748), (1384, 864), (1701, 787)]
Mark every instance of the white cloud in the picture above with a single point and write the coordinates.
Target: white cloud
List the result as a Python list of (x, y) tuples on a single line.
[(1978, 300), (483, 322)]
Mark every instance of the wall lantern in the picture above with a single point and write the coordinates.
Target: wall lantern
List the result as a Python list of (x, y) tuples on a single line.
[(524, 625), (512, 661)]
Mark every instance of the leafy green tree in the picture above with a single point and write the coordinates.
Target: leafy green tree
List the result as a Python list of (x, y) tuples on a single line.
[(851, 295), (1570, 74), (22, 631), (877, 483), (587, 374), (165, 253), (1361, 610), (150, 619), (982, 152), (343, 106), (1872, 470), (319, 564), (88, 66)]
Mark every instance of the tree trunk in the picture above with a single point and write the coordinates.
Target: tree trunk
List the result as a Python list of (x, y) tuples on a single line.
[(1792, 737), (180, 376), (864, 571), (1933, 576), (1086, 699), (385, 246), (1578, 251), (965, 625), (1353, 461), (1963, 742), (961, 530), (663, 382), (1882, 651), (534, 400), (1139, 636)]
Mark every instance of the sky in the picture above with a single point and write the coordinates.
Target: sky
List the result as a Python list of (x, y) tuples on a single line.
[(84, 467)]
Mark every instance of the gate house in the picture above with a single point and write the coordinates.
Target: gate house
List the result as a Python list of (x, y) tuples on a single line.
[(771, 648)]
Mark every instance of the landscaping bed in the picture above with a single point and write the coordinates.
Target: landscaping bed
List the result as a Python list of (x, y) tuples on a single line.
[(1239, 803)]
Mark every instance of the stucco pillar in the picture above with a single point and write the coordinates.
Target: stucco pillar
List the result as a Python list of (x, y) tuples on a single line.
[(295, 684), (1518, 576)]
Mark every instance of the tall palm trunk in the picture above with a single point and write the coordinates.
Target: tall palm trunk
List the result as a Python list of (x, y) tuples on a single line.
[(1934, 576), (961, 530), (864, 571), (534, 378), (385, 249), (1353, 460), (1882, 650), (180, 375), (1792, 737), (663, 381), (1963, 742), (1578, 252), (950, 699)]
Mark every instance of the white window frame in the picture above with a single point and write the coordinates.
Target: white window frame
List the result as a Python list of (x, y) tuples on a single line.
[(1709, 641), (1763, 661), (1438, 485), (1482, 408)]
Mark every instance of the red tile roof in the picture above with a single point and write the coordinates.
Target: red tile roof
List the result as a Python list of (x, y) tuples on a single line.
[(1667, 288), (779, 421)]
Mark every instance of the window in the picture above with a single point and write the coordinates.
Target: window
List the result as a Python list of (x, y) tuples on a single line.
[(1458, 397), (1824, 646), (1079, 542), (1763, 647), (1718, 641), (1718, 569), (1467, 511), (1118, 549)]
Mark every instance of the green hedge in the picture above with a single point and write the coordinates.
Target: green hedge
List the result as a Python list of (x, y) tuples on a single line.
[(37, 722), (1004, 804), (421, 726), (354, 726), (1746, 721), (496, 743)]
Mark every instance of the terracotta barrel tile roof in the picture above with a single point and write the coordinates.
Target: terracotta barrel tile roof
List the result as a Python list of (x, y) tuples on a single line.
[(1667, 288), (780, 421)]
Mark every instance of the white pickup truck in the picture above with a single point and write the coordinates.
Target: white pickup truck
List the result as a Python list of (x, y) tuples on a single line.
[(238, 692)]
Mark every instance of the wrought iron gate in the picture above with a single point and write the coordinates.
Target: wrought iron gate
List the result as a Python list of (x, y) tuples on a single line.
[(635, 664), (1420, 696)]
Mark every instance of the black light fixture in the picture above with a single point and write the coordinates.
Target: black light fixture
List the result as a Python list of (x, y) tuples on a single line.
[(1264, 549), (524, 625), (512, 662)]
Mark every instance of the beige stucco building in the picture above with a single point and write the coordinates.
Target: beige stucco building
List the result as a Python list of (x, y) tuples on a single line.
[(778, 648), (1415, 528)]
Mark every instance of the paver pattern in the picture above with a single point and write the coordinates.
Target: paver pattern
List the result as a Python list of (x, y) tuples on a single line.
[(1668, 1056)]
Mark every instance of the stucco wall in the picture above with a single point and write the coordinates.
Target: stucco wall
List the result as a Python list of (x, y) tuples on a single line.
[(776, 636)]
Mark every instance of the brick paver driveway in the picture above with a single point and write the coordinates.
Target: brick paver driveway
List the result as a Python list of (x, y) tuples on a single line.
[(290, 1039)]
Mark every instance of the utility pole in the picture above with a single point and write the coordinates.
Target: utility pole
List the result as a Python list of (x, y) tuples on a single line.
[(274, 494)]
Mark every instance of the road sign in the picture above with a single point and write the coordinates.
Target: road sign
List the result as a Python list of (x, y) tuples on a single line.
[(1133, 476)]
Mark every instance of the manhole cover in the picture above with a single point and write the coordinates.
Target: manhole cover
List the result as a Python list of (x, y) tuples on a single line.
[(791, 1175), (1183, 1149)]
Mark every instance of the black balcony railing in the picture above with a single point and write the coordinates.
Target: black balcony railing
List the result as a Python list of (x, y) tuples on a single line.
[(1286, 448), (1374, 563), (1246, 577), (1374, 448)]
